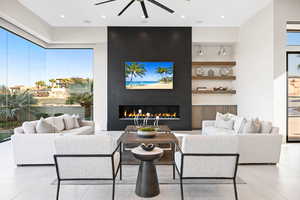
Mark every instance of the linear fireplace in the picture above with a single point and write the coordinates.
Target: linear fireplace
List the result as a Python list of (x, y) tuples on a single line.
[(164, 112)]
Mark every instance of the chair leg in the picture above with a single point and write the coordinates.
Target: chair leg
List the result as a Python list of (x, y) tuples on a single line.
[(57, 191), (120, 172), (235, 190), (174, 176), (113, 190), (181, 188)]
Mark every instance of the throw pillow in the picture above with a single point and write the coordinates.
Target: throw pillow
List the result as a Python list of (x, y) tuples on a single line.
[(69, 122), (231, 116), (223, 121), (252, 126), (59, 123), (266, 127), (239, 124), (29, 127), (44, 127), (76, 121)]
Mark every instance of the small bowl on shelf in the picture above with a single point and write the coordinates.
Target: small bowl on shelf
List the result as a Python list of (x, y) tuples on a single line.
[(147, 147)]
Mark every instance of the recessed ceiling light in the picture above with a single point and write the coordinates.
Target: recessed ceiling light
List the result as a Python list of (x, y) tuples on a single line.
[(182, 16), (62, 16), (222, 16), (103, 17), (87, 21)]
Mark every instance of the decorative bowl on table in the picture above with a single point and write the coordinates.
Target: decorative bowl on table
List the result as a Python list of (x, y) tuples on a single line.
[(148, 147), (146, 132)]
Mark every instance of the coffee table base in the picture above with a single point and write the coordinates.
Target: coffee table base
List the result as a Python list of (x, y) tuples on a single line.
[(147, 182)]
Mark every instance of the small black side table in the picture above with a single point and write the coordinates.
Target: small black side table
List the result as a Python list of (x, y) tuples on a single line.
[(147, 182)]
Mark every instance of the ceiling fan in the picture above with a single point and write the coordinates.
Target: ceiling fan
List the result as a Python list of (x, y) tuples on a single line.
[(142, 2)]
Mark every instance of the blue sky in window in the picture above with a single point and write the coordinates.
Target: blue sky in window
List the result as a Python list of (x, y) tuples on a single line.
[(24, 63), (294, 64), (293, 38)]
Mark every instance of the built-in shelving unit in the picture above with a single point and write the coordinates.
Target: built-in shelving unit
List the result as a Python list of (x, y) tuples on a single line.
[(214, 92), (214, 64), (225, 78)]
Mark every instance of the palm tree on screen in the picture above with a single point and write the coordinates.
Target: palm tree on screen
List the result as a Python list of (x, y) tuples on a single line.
[(164, 72), (134, 70)]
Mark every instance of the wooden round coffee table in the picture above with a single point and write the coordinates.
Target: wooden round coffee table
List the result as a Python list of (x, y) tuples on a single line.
[(147, 182)]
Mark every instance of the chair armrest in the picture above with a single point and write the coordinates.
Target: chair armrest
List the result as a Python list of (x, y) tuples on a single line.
[(87, 123), (178, 148), (117, 148)]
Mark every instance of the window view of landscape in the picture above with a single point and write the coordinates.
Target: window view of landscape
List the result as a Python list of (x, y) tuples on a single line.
[(37, 82), (293, 96)]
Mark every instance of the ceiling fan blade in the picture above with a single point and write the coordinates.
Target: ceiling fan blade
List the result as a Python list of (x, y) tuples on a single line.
[(131, 2), (162, 6), (96, 4), (144, 9)]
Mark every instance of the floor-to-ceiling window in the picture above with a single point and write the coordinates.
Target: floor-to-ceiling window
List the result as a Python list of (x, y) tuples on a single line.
[(293, 83), (36, 82)]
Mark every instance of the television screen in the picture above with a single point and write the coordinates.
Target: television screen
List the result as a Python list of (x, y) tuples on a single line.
[(149, 75)]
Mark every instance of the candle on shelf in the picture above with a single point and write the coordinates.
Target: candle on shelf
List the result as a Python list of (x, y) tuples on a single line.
[(156, 121)]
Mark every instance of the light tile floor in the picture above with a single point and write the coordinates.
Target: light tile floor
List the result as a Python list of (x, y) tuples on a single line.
[(264, 182)]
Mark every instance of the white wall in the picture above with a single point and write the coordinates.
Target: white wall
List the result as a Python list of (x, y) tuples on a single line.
[(17, 14), (215, 34), (79, 35), (255, 66), (100, 86), (284, 11)]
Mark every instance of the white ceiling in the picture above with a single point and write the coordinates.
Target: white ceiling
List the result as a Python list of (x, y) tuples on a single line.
[(208, 12)]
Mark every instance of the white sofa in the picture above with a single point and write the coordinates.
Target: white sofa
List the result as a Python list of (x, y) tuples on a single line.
[(254, 148), (38, 148)]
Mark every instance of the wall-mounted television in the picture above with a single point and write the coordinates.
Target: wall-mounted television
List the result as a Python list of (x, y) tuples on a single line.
[(149, 75)]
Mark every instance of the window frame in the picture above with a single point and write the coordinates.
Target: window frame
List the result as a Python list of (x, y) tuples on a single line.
[(47, 48)]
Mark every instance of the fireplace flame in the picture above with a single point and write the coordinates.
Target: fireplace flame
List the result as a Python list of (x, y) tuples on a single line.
[(144, 115)]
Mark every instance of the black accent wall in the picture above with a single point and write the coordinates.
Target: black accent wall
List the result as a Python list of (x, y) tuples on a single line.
[(149, 44)]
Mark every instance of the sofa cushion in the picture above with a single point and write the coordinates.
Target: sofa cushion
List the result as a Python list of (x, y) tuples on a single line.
[(266, 127), (76, 121), (29, 127), (45, 126), (84, 130), (252, 126), (224, 121), (69, 122), (239, 124), (218, 131), (58, 122)]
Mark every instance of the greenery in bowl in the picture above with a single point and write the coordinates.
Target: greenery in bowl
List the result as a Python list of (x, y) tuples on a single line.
[(147, 129)]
